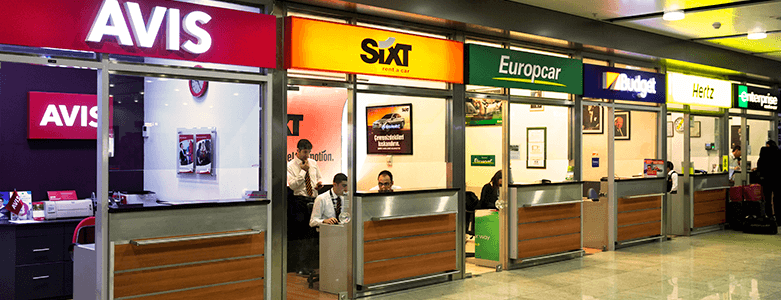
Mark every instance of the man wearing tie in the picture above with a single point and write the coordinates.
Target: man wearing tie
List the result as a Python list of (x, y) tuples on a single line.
[(328, 205), (303, 178)]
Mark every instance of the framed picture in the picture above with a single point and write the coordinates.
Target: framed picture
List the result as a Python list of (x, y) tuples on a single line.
[(696, 129), (592, 119), (670, 129), (483, 111), (389, 129), (536, 107), (536, 147), (622, 120)]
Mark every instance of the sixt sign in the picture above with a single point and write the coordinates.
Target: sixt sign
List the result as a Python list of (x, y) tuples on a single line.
[(623, 84), (750, 97), (375, 52)]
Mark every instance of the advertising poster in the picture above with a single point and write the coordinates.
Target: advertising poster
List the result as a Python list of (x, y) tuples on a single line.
[(536, 152), (19, 203), (483, 112), (203, 153), (653, 168), (315, 114), (185, 153), (389, 129)]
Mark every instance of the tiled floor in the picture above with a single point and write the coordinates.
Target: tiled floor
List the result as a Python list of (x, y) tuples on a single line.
[(719, 265)]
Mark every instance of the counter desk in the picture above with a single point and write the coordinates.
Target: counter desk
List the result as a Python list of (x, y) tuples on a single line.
[(404, 238), (197, 250), (700, 208), (632, 215), (545, 222)]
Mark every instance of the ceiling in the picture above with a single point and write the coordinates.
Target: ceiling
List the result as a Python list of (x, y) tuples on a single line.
[(736, 19)]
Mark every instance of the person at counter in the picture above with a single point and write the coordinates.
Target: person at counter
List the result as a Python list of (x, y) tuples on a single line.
[(328, 205), (734, 161), (303, 178), (385, 183), (768, 166), (490, 192), (672, 178)]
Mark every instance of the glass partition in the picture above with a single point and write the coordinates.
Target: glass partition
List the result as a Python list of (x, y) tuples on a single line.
[(675, 141), (539, 143), (705, 134), (401, 134), (758, 134), (595, 143), (635, 140)]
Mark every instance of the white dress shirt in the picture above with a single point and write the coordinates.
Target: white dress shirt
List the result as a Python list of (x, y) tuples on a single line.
[(295, 176), (324, 208), (674, 176)]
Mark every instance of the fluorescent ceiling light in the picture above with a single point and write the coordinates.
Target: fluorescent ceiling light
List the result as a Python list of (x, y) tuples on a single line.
[(756, 35), (674, 15)]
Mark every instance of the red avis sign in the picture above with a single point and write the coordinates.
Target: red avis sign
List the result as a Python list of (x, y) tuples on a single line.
[(149, 28), (63, 116)]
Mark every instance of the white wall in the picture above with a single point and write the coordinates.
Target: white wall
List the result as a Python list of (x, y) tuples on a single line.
[(556, 120), (702, 159), (629, 154), (482, 140), (230, 107), (426, 167), (757, 136)]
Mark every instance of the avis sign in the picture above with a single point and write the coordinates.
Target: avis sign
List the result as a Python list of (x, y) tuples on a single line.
[(623, 84), (149, 28), (62, 116)]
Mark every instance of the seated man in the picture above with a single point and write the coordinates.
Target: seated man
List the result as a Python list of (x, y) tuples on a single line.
[(328, 205), (385, 183)]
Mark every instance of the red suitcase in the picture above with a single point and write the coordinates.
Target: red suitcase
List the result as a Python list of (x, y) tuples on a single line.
[(736, 194), (752, 193)]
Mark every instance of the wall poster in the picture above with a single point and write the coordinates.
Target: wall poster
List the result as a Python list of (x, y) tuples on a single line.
[(483, 112), (592, 119), (653, 168), (536, 147), (203, 153), (622, 120), (185, 153), (389, 129)]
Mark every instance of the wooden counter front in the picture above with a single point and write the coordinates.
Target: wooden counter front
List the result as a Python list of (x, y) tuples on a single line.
[(710, 207), (548, 229), (408, 247), (190, 269), (639, 217)]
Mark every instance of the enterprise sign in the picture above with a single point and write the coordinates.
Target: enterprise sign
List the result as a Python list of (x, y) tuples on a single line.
[(622, 84), (695, 90), (754, 98)]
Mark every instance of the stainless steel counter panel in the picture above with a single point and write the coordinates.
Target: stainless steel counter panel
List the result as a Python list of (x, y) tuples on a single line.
[(161, 223), (636, 187), (538, 195), (393, 205), (710, 181)]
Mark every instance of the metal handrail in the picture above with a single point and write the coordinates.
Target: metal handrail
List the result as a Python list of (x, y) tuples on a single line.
[(192, 238), (646, 195), (412, 216), (714, 188), (552, 203)]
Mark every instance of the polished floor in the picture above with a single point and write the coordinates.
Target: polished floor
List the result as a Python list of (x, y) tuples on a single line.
[(718, 265)]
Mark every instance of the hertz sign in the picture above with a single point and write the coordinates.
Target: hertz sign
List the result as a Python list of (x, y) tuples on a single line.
[(326, 46)]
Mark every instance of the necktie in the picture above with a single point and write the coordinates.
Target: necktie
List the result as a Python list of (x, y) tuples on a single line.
[(308, 184), (337, 207)]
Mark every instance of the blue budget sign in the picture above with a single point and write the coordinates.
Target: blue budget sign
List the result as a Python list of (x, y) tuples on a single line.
[(623, 84)]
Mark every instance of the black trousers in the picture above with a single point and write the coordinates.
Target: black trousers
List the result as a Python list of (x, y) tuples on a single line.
[(302, 240), (770, 190)]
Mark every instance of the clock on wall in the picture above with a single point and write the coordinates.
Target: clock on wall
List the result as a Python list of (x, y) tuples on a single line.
[(678, 124), (198, 87)]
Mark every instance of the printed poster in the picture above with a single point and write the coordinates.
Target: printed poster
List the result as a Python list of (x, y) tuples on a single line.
[(203, 153), (483, 111), (185, 153), (653, 168), (389, 129), (20, 206)]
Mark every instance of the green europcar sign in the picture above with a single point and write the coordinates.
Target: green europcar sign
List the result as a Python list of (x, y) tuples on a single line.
[(489, 66), (484, 160)]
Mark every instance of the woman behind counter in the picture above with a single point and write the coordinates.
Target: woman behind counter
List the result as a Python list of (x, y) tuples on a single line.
[(490, 192)]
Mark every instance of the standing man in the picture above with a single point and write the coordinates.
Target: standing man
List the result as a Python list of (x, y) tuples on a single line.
[(768, 167), (303, 178), (328, 205), (734, 161)]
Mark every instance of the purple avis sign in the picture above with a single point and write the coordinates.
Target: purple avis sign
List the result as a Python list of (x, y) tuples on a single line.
[(622, 84)]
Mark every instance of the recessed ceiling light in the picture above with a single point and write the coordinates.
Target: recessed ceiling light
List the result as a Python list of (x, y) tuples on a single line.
[(756, 35), (673, 15)]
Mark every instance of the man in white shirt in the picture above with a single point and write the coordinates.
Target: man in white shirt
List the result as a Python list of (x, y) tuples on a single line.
[(303, 176), (328, 205), (734, 161), (672, 178), (385, 183)]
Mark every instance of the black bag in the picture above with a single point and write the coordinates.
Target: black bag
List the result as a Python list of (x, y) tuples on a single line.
[(735, 215), (760, 225), (471, 201)]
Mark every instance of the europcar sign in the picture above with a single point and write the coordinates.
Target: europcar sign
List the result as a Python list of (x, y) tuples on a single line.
[(622, 84), (750, 97), (149, 28), (327, 46), (491, 66)]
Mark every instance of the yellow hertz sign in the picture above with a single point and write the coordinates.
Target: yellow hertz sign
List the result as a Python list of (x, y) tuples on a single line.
[(327, 46)]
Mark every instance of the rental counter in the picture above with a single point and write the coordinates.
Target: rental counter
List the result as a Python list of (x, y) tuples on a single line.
[(637, 213), (402, 239), (189, 251), (703, 208), (545, 221)]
